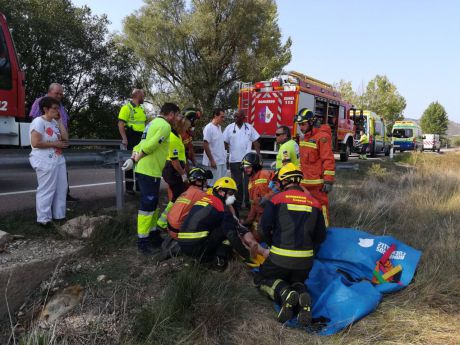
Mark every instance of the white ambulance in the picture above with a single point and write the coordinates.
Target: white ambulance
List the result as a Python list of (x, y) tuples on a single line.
[(431, 142)]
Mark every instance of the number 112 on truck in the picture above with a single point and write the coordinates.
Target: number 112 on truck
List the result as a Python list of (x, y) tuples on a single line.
[(274, 103)]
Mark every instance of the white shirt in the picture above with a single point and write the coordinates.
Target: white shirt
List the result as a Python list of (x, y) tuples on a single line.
[(239, 140), (213, 135), (49, 131)]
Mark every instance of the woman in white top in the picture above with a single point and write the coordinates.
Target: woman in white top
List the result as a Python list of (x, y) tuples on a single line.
[(48, 137)]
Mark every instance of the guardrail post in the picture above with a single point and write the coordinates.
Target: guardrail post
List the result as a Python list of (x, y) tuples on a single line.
[(119, 181)]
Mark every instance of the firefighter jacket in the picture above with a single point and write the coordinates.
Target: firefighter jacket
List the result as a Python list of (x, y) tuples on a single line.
[(258, 188), (316, 157), (206, 215), (183, 205), (133, 116), (293, 225)]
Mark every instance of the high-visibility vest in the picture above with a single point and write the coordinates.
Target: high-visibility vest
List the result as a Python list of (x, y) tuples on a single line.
[(133, 116)]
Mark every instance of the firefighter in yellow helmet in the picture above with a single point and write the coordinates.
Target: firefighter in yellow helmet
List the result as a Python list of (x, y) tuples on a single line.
[(292, 225), (209, 231)]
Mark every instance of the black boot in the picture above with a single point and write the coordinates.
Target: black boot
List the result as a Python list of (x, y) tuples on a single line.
[(304, 307), (290, 299), (155, 239), (144, 247)]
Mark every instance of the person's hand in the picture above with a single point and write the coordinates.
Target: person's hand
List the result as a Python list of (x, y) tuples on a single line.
[(261, 160), (213, 164), (327, 187), (60, 144), (124, 142), (263, 201), (128, 164), (184, 178)]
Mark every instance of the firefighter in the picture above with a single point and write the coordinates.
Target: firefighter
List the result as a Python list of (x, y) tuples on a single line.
[(209, 230), (197, 178), (289, 150), (131, 125), (293, 226), (316, 158), (150, 156), (364, 143), (259, 191), (192, 115)]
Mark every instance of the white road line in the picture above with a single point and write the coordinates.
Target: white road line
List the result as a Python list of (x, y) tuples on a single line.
[(71, 187)]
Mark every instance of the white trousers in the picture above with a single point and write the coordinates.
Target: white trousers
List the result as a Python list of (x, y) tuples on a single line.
[(221, 171), (51, 191)]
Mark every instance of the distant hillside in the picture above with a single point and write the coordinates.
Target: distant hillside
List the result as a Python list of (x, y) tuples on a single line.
[(452, 129)]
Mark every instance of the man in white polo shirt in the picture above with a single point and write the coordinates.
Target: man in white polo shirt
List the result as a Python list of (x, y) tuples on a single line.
[(239, 137), (215, 156)]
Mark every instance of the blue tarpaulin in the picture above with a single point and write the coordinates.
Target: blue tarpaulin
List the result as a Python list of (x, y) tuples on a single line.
[(340, 280)]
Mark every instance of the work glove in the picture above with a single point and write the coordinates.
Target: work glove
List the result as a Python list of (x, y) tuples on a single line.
[(184, 178), (327, 187), (272, 186), (128, 165)]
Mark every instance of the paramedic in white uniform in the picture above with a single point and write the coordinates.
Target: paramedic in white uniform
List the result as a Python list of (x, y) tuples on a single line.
[(48, 136), (239, 137)]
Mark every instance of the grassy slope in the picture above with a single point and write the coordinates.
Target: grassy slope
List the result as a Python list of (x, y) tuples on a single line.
[(417, 200)]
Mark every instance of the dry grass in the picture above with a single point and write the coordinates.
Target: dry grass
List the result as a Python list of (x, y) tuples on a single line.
[(416, 200)]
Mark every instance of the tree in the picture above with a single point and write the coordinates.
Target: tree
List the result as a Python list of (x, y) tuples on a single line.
[(382, 97), (59, 42), (434, 119), (201, 50), (348, 94)]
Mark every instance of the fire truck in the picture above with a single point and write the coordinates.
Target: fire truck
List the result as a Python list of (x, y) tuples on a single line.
[(12, 92), (274, 103)]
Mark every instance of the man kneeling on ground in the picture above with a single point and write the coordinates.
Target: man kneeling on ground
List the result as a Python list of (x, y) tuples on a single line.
[(210, 229), (293, 225)]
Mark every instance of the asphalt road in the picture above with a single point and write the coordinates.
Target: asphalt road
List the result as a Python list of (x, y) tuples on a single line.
[(89, 184)]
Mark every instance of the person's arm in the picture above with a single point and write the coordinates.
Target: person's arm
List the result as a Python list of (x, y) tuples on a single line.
[(35, 109), (327, 159), (156, 135), (122, 130), (63, 130), (256, 145), (36, 142), (209, 154)]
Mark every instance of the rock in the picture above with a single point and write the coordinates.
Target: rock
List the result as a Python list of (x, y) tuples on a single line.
[(82, 227), (4, 239), (61, 303), (101, 278)]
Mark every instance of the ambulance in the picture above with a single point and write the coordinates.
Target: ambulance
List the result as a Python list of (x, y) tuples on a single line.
[(406, 136), (375, 127), (273, 103)]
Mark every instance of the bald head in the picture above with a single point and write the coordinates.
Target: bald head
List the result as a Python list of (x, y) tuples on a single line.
[(138, 96), (56, 91)]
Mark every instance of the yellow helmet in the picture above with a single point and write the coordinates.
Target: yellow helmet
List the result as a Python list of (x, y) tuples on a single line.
[(224, 183), (290, 173)]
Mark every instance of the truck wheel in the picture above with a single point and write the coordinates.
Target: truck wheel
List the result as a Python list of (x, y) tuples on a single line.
[(345, 155)]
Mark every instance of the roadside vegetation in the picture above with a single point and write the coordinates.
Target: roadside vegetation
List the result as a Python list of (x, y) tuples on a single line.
[(416, 199)]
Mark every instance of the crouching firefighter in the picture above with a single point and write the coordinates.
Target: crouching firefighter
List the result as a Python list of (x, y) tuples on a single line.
[(209, 230), (293, 225), (259, 192)]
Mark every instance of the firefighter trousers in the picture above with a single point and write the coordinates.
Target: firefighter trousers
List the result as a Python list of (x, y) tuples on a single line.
[(323, 199), (273, 280), (206, 250), (148, 213)]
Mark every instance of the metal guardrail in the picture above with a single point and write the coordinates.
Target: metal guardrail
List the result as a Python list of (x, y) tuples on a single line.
[(95, 142)]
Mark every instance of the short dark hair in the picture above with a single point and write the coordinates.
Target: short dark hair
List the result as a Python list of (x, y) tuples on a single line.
[(47, 102), (217, 111), (169, 107), (286, 131)]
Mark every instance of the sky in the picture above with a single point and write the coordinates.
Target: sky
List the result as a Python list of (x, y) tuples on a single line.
[(415, 43)]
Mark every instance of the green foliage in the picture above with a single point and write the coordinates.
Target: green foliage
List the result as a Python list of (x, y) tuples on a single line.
[(59, 42), (380, 96), (434, 119), (456, 141), (377, 171), (199, 52)]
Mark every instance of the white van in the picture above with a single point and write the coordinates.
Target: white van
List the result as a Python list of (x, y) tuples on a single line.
[(431, 142)]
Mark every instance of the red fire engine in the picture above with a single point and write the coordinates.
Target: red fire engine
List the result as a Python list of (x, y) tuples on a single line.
[(12, 91), (274, 103)]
